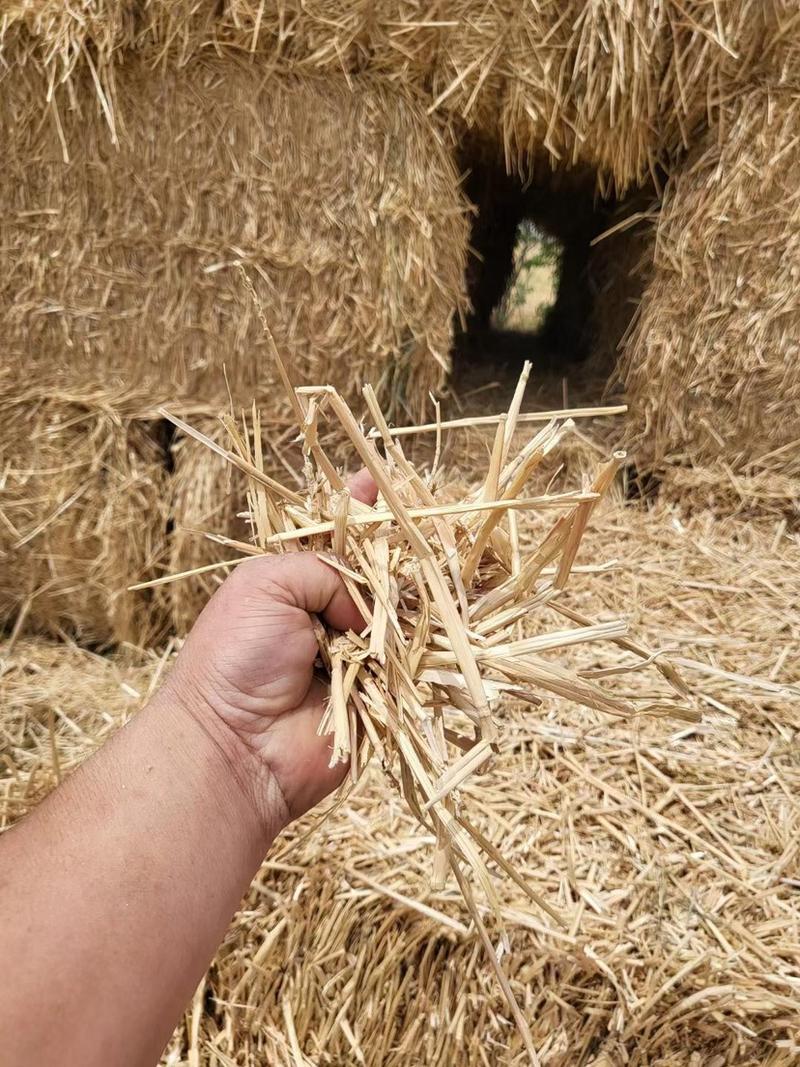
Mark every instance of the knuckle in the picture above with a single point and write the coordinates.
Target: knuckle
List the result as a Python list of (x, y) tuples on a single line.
[(260, 576)]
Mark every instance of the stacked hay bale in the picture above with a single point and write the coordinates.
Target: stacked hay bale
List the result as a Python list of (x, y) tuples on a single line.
[(368, 278), (621, 86), (720, 319), (201, 501), (83, 516), (126, 216)]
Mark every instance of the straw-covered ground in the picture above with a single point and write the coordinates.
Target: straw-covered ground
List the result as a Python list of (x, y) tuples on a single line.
[(671, 850)]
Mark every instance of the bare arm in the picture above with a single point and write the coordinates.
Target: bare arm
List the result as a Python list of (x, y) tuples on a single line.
[(116, 892)]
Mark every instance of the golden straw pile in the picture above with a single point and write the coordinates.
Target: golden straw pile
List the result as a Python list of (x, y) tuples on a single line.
[(443, 589)]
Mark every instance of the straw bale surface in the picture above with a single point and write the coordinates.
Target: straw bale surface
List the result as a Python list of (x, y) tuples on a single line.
[(620, 85), (619, 269), (718, 488), (119, 259), (673, 852), (205, 495), (713, 366), (82, 492)]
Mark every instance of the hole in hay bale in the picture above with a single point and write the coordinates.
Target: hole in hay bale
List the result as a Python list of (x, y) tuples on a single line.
[(164, 436), (641, 486), (540, 283)]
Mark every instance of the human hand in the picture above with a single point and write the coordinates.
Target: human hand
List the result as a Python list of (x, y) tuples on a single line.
[(246, 674)]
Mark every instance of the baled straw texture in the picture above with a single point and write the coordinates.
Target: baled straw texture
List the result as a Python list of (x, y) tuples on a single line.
[(719, 323), (443, 590), (201, 497), (620, 86), (82, 515), (206, 493), (676, 954), (125, 216), (724, 491)]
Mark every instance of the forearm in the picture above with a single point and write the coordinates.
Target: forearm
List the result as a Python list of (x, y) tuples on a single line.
[(116, 892)]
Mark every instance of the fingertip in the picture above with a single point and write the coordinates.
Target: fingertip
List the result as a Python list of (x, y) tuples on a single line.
[(362, 486)]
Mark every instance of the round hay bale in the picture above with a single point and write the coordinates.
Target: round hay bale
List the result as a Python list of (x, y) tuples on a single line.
[(82, 519), (340, 198), (712, 367)]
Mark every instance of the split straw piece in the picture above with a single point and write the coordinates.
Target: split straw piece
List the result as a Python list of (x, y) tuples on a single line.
[(490, 420), (416, 484), (377, 516), (458, 771)]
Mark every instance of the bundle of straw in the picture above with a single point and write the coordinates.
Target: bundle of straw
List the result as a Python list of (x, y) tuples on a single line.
[(442, 589)]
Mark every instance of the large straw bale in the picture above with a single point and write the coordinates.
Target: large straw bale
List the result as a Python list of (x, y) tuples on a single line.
[(81, 518), (715, 49), (341, 197), (621, 86), (713, 366), (625, 87), (582, 82), (674, 850)]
